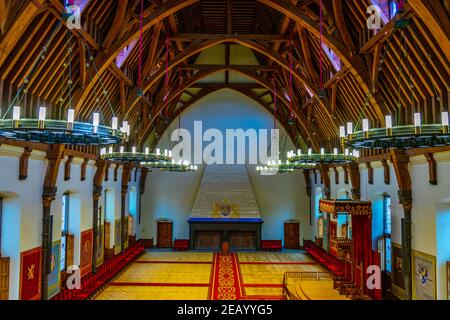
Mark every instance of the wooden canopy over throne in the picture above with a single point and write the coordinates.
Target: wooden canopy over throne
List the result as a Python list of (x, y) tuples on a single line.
[(359, 247)]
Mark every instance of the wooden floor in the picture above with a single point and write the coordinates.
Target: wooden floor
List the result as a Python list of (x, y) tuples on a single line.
[(188, 275)]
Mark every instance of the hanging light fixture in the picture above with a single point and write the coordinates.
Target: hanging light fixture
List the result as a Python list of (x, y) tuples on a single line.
[(323, 157), (155, 160), (400, 136), (274, 167), (172, 166), (54, 131), (134, 155)]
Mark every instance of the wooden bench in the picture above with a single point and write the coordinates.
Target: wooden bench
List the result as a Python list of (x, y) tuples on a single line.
[(271, 244), (181, 244)]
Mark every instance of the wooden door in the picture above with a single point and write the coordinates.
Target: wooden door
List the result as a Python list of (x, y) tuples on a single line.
[(4, 278), (70, 249), (164, 235), (291, 235)]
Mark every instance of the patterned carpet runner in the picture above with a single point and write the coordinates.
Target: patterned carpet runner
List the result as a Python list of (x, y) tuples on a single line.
[(225, 279)]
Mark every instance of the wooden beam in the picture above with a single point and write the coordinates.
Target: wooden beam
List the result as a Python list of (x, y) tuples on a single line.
[(23, 163), (4, 10), (432, 169), (118, 21), (325, 177), (205, 73), (307, 176), (342, 27), (355, 178), (67, 168), (83, 169), (369, 173), (336, 175), (120, 75), (355, 63), (387, 171), (106, 57), (116, 172), (434, 16), (209, 36), (108, 164), (230, 66), (345, 174), (58, 11), (21, 23), (196, 48)]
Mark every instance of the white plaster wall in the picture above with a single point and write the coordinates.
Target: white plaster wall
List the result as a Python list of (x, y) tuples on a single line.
[(23, 204)]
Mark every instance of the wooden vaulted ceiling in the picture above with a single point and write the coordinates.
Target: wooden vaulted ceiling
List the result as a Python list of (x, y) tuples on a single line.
[(368, 84)]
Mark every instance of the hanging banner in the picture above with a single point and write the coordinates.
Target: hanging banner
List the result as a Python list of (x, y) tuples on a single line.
[(30, 274), (54, 277), (86, 252)]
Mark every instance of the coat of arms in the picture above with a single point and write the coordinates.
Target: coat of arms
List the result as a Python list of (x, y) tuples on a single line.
[(225, 210)]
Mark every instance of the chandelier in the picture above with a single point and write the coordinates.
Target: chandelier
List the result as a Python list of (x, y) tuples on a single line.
[(418, 135), (181, 166), (323, 157), (57, 131), (274, 167), (156, 160), (52, 131), (400, 135), (134, 156)]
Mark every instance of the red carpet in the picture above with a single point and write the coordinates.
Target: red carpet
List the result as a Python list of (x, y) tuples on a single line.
[(225, 281)]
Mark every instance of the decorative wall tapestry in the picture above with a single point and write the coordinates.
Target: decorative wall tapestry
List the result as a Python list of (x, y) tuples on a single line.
[(117, 236), (100, 246), (424, 276), (398, 284), (54, 277), (86, 252), (30, 274)]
